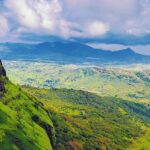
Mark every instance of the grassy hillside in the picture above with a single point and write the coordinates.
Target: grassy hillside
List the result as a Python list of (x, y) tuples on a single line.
[(132, 83), (86, 121), (24, 123), (142, 143)]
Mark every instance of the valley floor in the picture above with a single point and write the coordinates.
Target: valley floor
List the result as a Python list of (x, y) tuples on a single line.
[(126, 82)]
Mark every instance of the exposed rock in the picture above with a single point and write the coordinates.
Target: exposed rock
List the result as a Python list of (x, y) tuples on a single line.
[(2, 78), (2, 70)]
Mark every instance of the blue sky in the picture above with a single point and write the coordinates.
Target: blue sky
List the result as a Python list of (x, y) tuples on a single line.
[(115, 22)]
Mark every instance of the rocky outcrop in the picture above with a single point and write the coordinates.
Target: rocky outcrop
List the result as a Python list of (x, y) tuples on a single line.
[(2, 78), (2, 70)]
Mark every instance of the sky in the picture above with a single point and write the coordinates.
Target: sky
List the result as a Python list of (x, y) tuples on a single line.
[(104, 23)]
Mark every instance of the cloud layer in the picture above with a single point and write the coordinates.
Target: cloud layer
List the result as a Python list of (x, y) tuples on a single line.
[(74, 18), (35, 15), (4, 28)]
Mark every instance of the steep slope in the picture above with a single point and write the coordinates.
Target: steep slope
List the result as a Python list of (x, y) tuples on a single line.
[(84, 120), (24, 124), (69, 52)]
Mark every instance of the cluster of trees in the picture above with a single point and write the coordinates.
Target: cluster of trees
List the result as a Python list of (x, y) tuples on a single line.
[(86, 121)]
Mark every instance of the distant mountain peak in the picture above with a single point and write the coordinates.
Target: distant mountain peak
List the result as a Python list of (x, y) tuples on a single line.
[(72, 52), (127, 51)]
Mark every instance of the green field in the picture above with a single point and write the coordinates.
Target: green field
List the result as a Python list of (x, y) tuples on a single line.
[(127, 82)]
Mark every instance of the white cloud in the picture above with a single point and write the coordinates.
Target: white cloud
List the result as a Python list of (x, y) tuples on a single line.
[(47, 17), (77, 18), (36, 15), (97, 28), (4, 27), (22, 13), (117, 13)]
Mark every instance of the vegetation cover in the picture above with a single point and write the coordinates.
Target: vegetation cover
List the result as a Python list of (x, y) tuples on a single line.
[(83, 120), (40, 119), (126, 82), (24, 123)]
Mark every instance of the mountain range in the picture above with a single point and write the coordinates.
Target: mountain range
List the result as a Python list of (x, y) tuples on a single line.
[(69, 52)]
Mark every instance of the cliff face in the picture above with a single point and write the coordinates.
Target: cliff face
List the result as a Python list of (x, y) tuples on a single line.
[(2, 70), (2, 78)]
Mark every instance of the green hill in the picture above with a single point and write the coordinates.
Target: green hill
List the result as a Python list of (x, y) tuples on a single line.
[(24, 123), (62, 119), (86, 121)]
